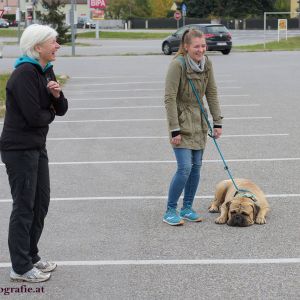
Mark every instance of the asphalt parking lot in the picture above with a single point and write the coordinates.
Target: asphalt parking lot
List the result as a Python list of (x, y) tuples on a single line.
[(107, 47), (111, 163)]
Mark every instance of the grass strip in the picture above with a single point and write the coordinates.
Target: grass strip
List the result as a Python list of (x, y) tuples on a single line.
[(3, 80), (123, 35), (6, 32), (291, 44)]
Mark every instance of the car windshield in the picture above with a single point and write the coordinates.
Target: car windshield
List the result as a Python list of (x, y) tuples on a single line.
[(216, 29)]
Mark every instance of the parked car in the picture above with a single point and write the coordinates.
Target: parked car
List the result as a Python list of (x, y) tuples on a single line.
[(4, 23), (85, 22), (217, 36), (13, 23)]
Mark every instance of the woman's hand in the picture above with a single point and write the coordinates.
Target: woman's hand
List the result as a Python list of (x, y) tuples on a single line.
[(176, 140), (54, 88), (217, 132)]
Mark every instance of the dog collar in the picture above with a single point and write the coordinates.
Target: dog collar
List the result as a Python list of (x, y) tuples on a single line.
[(245, 194)]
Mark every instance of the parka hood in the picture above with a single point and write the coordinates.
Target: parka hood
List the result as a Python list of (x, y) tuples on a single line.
[(26, 59)]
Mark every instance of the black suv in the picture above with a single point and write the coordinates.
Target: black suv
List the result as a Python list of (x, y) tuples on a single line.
[(217, 36)]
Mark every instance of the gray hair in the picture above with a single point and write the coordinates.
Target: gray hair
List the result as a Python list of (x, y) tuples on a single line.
[(33, 35)]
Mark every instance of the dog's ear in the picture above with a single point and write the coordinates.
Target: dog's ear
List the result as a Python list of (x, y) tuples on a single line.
[(256, 210)]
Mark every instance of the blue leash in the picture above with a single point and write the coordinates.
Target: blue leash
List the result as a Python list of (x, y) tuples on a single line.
[(211, 134)]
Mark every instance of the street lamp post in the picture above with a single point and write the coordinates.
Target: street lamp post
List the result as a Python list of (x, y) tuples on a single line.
[(299, 14), (19, 22), (72, 14)]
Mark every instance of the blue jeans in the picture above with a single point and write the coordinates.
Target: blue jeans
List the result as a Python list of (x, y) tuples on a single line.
[(187, 177)]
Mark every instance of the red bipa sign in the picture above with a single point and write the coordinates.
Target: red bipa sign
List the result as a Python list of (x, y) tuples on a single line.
[(100, 4)]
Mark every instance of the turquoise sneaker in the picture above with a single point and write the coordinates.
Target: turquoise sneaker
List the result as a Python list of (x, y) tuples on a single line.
[(171, 217), (190, 215)]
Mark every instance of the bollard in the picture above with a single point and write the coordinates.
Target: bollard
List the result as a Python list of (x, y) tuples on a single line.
[(1, 49)]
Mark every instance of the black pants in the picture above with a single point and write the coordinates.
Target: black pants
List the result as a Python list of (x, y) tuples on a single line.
[(28, 175)]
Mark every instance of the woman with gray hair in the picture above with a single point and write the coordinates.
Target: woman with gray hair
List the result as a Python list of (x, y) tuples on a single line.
[(33, 99)]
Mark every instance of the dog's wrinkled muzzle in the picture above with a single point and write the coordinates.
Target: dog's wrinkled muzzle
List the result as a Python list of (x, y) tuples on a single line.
[(238, 220)]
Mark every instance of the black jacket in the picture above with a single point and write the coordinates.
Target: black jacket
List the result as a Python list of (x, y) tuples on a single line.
[(30, 108)]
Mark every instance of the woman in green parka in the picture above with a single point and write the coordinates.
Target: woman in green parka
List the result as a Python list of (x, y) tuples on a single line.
[(187, 126)]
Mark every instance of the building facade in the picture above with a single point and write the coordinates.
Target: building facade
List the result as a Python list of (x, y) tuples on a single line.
[(29, 7), (294, 8)]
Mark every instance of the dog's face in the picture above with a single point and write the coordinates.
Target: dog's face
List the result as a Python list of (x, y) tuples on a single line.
[(241, 212)]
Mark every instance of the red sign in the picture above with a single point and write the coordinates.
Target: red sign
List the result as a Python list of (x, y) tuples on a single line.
[(100, 4), (98, 14), (177, 15)]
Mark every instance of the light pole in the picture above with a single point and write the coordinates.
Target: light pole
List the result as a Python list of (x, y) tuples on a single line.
[(34, 4), (298, 14), (19, 21), (72, 14)]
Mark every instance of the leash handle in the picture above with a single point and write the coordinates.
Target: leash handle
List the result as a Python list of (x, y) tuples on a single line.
[(211, 132)]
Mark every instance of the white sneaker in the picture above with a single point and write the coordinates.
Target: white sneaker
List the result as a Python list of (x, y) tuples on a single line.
[(45, 266), (33, 275)]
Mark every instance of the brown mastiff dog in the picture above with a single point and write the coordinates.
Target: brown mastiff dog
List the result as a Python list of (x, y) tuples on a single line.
[(243, 208)]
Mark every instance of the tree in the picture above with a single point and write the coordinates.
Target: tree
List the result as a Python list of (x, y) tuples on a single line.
[(124, 9), (160, 8), (56, 19), (282, 5), (199, 8), (228, 8), (242, 9), (116, 9), (142, 8)]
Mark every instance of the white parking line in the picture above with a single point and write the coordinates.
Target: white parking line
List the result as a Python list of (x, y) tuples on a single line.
[(254, 261), (130, 76), (117, 107), (171, 161), (121, 162), (146, 120), (102, 91), (132, 90), (140, 97), (114, 83), (127, 83), (143, 120), (145, 198), (158, 137), (151, 106), (109, 77)]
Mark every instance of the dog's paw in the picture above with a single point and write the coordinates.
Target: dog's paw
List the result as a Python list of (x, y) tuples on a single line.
[(213, 209), (260, 220), (220, 220)]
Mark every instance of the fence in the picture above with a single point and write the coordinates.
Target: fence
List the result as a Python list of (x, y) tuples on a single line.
[(166, 23)]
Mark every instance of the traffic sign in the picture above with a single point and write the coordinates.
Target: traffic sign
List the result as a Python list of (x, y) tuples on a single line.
[(177, 15), (183, 7), (282, 24), (174, 7)]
